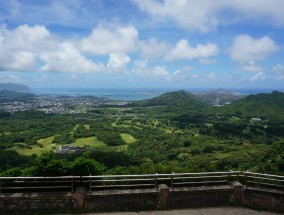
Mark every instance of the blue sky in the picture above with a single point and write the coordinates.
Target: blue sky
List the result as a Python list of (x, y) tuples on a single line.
[(142, 43)]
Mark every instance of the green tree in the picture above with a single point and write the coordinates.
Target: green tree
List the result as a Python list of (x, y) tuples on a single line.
[(86, 166), (47, 165)]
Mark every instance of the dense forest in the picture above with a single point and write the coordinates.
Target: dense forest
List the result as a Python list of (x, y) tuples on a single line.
[(174, 132)]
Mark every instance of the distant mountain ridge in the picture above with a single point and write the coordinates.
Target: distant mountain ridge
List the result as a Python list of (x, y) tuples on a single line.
[(263, 104), (13, 87), (179, 98), (183, 103)]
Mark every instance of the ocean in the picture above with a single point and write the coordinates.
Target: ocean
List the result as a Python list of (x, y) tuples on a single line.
[(132, 94)]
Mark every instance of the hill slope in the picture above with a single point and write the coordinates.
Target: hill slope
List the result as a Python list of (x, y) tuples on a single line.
[(13, 87), (179, 98), (260, 105)]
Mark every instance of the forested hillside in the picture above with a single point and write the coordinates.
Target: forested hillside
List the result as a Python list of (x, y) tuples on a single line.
[(174, 132)]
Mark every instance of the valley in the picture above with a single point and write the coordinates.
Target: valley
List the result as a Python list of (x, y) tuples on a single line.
[(174, 132)]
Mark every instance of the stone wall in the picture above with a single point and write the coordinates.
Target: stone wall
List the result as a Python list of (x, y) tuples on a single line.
[(161, 198)]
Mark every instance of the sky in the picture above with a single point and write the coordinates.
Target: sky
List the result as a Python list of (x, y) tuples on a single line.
[(142, 43)]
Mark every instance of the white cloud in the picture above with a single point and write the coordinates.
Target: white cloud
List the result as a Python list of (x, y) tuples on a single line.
[(250, 66), (11, 78), (140, 64), (16, 60), (279, 68), (206, 15), (187, 14), (246, 48), (68, 59), (206, 61), (34, 48), (64, 12), (257, 77), (182, 75), (160, 71), (142, 69), (110, 39), (153, 49), (279, 71), (19, 47), (117, 61), (211, 76), (183, 51), (28, 38)]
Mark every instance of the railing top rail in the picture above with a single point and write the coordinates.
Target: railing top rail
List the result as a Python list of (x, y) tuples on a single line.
[(247, 173), (34, 178), (262, 174), (164, 175)]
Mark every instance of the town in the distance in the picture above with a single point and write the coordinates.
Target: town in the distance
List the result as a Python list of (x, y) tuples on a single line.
[(16, 97)]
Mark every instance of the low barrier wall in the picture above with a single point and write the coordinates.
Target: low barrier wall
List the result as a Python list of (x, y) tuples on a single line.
[(69, 194), (162, 198)]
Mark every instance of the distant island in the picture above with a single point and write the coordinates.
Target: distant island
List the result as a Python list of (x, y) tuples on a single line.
[(13, 87)]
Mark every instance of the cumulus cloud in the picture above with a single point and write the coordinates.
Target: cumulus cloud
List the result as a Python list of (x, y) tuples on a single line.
[(68, 59), (11, 78), (183, 51), (279, 71), (181, 75), (258, 77), (153, 49), (64, 12), (250, 66), (212, 76), (19, 47), (206, 15), (110, 39), (28, 38), (206, 61), (34, 48), (279, 68), (141, 68), (246, 48), (117, 61)]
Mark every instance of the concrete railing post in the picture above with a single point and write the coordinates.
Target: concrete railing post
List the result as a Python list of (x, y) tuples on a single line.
[(164, 192), (80, 195), (237, 198)]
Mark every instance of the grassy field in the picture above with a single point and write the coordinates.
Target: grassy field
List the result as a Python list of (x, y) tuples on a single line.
[(89, 141), (127, 138), (46, 144), (42, 146)]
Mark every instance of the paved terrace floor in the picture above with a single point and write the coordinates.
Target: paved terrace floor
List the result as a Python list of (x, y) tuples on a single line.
[(199, 211)]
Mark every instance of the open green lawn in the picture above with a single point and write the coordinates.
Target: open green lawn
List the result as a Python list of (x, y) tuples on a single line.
[(46, 144), (127, 138), (42, 146), (89, 141), (87, 126)]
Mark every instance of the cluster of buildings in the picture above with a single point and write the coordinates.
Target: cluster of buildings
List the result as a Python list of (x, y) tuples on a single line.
[(63, 105), (69, 149)]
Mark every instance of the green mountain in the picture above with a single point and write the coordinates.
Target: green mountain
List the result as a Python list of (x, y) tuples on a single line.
[(261, 105), (13, 87), (13, 94), (179, 98), (184, 106)]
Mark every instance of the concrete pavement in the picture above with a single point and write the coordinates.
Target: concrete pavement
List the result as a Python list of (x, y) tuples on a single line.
[(199, 211)]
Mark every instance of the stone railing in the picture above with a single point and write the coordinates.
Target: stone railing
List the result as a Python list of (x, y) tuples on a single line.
[(142, 192)]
